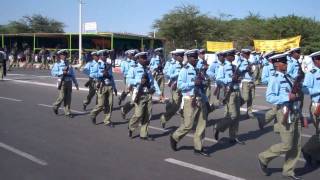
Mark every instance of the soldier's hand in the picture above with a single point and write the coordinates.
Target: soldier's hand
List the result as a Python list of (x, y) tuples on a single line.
[(292, 97), (235, 79), (197, 82), (143, 81), (65, 72)]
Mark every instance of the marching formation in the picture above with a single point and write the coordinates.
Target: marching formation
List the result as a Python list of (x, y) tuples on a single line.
[(199, 87)]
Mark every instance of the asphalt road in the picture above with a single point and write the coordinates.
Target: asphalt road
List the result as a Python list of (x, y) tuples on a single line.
[(35, 144)]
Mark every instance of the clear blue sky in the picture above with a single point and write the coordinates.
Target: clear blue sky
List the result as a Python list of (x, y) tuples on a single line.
[(137, 16)]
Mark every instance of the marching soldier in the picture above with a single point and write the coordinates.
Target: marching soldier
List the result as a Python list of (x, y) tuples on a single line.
[(131, 65), (191, 84), (279, 93), (89, 67), (124, 66), (228, 75), (312, 87), (3, 59), (267, 72), (66, 75), (248, 85), (156, 67), (212, 70), (144, 86), (293, 62), (255, 61), (176, 97), (202, 66), (168, 64), (102, 73)]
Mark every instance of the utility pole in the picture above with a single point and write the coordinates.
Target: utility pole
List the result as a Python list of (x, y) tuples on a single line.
[(80, 30)]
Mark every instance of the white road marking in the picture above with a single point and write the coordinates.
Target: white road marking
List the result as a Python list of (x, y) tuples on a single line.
[(11, 99), (203, 169), (23, 154), (72, 110)]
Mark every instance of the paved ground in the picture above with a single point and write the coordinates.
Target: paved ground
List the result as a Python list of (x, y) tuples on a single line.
[(36, 144)]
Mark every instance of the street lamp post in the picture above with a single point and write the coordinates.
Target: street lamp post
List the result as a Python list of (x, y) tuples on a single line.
[(80, 30)]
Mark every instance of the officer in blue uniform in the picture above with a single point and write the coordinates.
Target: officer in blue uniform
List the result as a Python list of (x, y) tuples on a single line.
[(66, 74), (293, 62), (211, 72), (267, 72), (312, 86), (202, 67), (195, 110), (176, 97), (124, 66), (131, 65), (102, 73), (90, 84), (279, 93), (228, 75), (268, 69), (156, 66), (168, 64), (248, 82), (140, 78)]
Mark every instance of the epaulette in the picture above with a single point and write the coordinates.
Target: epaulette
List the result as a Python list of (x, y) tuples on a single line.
[(276, 75), (186, 66), (266, 64), (313, 71)]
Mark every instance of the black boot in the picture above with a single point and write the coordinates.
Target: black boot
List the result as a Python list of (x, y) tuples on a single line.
[(201, 152), (173, 144), (93, 120)]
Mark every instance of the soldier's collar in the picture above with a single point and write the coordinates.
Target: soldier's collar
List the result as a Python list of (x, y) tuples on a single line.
[(280, 73)]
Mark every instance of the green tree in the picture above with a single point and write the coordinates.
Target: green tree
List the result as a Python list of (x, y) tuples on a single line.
[(33, 24), (184, 26)]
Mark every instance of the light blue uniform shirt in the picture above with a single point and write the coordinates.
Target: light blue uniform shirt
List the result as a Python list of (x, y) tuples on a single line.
[(311, 84), (88, 67), (243, 69), (264, 61), (267, 71), (211, 72), (154, 63), (57, 71), (135, 75), (131, 65), (97, 73), (167, 66), (293, 67), (200, 63), (124, 66), (224, 73), (174, 71), (278, 89), (186, 82)]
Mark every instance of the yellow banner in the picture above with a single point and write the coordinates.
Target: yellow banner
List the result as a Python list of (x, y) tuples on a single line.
[(215, 46), (276, 45)]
